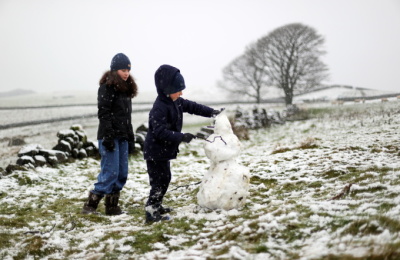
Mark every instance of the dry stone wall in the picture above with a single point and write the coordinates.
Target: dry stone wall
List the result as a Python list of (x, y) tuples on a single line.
[(72, 144)]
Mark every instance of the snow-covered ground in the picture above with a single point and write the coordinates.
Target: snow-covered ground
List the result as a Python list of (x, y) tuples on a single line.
[(336, 92), (296, 169)]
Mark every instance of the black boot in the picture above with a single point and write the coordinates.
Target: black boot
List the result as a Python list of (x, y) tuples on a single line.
[(111, 204), (91, 204), (163, 210), (153, 215)]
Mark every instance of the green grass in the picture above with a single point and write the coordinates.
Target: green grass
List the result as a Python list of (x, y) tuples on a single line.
[(38, 247), (333, 174), (6, 239)]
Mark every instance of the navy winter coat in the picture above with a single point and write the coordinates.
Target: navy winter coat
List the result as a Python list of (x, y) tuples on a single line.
[(114, 113), (165, 119)]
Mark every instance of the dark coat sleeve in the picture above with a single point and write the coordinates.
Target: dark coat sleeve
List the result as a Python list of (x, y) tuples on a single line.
[(104, 102), (195, 108)]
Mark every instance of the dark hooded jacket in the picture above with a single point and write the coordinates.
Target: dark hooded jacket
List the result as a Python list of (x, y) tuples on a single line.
[(114, 113), (165, 119)]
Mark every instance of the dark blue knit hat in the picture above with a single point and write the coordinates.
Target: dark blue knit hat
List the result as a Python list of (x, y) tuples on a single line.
[(178, 84), (120, 62)]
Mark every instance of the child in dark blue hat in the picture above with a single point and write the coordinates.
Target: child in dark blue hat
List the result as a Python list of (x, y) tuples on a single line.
[(164, 135), (115, 135)]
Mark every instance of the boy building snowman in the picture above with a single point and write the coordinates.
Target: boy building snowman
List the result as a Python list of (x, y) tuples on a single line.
[(164, 135)]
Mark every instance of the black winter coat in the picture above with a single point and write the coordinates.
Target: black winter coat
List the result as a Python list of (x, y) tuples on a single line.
[(166, 118), (114, 113)]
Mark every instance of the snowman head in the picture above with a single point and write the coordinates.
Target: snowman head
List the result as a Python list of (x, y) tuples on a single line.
[(222, 125), (223, 144)]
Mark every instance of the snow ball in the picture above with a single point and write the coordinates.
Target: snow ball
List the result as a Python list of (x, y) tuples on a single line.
[(222, 125)]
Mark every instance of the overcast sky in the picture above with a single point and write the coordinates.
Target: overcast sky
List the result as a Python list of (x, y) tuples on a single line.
[(55, 45)]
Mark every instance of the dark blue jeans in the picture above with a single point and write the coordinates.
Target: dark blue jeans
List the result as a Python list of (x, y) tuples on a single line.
[(159, 177), (114, 168)]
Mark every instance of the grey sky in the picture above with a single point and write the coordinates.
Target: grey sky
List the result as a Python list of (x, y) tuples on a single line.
[(55, 45)]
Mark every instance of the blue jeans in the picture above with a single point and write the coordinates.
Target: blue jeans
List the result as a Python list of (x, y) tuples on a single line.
[(114, 168)]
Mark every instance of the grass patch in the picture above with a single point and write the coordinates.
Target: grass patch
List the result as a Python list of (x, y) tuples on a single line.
[(268, 183), (221, 251), (281, 150), (62, 205), (371, 226), (356, 148), (261, 249), (318, 112), (362, 227), (3, 195), (15, 222), (23, 179), (354, 193), (393, 225), (316, 184), (5, 240), (22, 216), (37, 247), (333, 174), (143, 241), (392, 149), (356, 175), (308, 143), (292, 186)]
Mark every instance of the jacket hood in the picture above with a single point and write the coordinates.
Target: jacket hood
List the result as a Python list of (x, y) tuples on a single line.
[(164, 77)]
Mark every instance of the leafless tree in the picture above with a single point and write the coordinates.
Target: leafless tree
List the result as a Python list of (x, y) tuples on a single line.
[(291, 56), (245, 76)]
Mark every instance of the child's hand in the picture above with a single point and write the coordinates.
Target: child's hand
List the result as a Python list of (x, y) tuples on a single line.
[(108, 144), (215, 113), (187, 137)]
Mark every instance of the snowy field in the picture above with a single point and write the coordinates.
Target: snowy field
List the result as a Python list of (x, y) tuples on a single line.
[(323, 188)]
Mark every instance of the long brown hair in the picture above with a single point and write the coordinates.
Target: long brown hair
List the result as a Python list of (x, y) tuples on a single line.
[(129, 86)]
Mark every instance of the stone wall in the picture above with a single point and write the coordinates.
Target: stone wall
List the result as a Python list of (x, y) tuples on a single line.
[(72, 144)]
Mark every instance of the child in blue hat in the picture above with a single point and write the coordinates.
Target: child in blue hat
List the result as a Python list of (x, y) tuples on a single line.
[(164, 135)]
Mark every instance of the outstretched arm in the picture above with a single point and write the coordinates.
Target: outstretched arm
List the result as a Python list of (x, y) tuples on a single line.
[(196, 109)]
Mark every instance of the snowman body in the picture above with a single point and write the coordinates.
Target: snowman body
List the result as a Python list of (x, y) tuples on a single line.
[(226, 183)]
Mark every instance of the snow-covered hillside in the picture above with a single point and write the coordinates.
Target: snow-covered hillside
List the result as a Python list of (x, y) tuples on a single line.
[(325, 188), (337, 92)]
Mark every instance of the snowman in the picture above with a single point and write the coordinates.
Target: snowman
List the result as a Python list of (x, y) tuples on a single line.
[(226, 184)]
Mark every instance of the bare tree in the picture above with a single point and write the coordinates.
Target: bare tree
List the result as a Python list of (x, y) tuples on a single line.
[(291, 56), (245, 76)]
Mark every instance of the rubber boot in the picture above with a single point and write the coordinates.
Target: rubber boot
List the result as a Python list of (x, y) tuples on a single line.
[(163, 210), (111, 203), (91, 204), (153, 215)]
